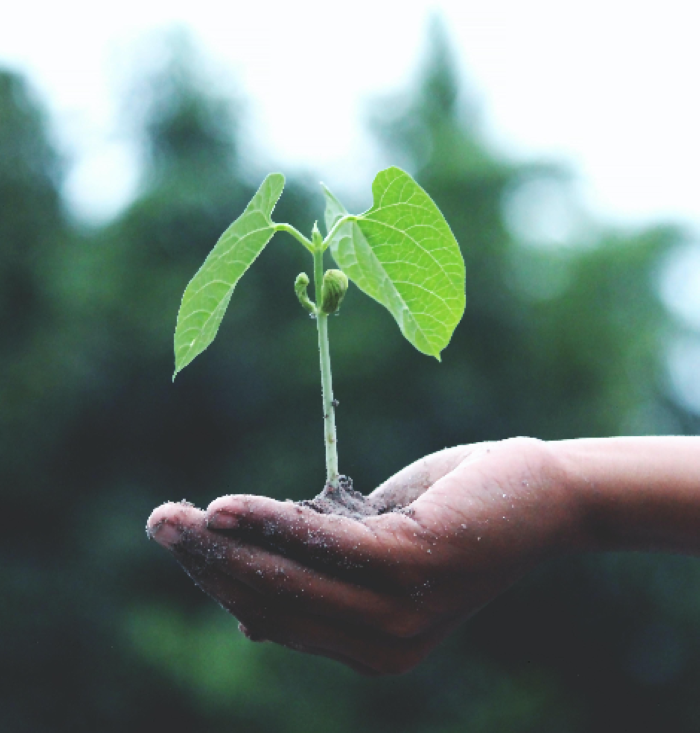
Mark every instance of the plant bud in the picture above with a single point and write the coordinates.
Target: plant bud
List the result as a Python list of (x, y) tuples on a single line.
[(335, 285), (316, 238), (300, 286)]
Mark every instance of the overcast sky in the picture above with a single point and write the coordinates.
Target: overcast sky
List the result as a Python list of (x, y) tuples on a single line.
[(608, 86)]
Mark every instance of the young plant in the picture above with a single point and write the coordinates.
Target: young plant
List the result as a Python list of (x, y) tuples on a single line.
[(400, 252)]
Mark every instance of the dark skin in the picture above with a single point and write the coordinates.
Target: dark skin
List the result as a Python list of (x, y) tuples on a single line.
[(379, 594)]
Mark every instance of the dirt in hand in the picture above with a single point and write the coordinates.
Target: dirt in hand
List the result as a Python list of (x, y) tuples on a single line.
[(344, 501)]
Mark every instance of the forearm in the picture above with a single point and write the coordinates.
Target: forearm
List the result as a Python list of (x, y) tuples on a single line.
[(635, 493)]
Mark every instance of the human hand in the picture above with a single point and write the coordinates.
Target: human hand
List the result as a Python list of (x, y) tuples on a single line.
[(378, 594)]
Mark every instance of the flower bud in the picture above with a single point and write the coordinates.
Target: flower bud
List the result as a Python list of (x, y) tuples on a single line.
[(300, 286), (335, 285)]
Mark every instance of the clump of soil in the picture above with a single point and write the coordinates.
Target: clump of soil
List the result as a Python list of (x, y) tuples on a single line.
[(346, 502), (343, 500)]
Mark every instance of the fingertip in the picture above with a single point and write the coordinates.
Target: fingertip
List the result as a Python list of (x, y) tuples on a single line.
[(225, 512), (165, 534), (168, 522), (235, 510), (160, 514), (230, 504)]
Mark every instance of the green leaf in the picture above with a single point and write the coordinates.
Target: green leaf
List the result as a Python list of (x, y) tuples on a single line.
[(208, 294), (334, 209), (402, 253)]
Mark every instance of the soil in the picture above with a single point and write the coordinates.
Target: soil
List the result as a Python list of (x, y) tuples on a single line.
[(346, 502)]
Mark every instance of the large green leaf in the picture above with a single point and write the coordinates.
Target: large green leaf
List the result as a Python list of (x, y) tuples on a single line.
[(402, 253), (208, 294)]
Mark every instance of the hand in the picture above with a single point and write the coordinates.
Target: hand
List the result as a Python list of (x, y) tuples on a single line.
[(380, 593)]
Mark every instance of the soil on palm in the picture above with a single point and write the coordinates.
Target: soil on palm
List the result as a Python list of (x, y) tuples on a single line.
[(344, 501)]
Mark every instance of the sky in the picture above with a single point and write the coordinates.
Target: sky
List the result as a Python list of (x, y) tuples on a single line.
[(607, 87)]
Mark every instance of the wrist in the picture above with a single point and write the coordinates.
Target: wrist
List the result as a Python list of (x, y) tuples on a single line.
[(639, 493), (568, 502), (579, 473)]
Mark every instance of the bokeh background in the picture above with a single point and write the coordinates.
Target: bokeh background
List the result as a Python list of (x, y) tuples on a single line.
[(572, 329)]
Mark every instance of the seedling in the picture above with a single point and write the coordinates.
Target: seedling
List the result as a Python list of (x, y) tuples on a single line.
[(401, 252)]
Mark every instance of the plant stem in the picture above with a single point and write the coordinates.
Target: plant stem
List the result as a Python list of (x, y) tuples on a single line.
[(326, 381), (336, 226), (296, 234)]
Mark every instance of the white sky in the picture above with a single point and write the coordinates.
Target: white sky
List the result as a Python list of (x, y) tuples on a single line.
[(609, 87)]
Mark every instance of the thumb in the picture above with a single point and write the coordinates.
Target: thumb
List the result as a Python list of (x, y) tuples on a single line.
[(404, 487)]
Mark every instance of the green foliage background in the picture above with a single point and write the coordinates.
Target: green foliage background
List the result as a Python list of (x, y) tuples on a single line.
[(100, 631)]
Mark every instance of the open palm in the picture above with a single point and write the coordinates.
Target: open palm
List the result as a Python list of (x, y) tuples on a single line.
[(378, 594)]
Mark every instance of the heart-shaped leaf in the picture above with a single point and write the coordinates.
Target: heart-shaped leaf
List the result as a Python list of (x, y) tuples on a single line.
[(402, 253), (208, 294)]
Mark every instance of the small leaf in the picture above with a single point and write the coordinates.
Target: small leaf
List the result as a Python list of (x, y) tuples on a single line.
[(334, 209), (402, 253), (208, 294)]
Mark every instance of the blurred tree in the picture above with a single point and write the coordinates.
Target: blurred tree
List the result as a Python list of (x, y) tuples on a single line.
[(31, 227), (555, 343)]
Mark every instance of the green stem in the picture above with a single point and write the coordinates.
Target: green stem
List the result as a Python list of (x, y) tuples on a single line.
[(336, 226), (296, 234), (330, 440)]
